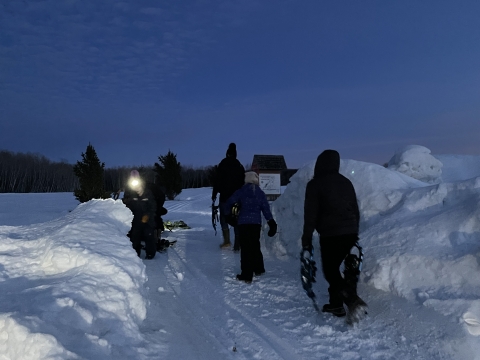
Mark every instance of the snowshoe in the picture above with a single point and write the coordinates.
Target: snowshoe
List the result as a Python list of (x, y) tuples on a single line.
[(308, 272), (356, 307), (241, 277), (356, 311)]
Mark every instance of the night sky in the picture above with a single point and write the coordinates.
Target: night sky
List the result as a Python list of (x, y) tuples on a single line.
[(137, 78)]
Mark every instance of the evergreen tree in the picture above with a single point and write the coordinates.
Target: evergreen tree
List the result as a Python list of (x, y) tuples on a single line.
[(168, 175), (90, 173)]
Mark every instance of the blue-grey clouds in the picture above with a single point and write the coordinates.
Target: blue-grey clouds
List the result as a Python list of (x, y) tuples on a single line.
[(86, 49), (136, 78)]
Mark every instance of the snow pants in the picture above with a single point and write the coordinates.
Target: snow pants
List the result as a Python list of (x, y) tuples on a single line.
[(333, 250), (143, 232), (251, 257)]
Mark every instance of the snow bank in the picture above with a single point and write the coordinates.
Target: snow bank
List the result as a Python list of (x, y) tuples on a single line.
[(78, 272), (430, 254), (417, 162), (379, 190), (421, 241)]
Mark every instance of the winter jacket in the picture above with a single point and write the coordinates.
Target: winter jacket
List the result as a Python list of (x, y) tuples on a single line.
[(159, 196), (253, 203), (141, 206), (330, 201), (229, 178)]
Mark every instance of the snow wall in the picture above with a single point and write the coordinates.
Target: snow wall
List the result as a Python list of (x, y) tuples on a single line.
[(82, 276), (421, 240)]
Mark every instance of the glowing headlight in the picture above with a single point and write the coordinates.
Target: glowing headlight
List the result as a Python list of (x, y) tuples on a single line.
[(134, 183)]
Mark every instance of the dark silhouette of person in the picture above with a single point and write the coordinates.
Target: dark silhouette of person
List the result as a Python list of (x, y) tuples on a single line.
[(331, 209), (229, 177)]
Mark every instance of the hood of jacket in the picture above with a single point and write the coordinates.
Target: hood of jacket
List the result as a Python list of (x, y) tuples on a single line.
[(328, 162)]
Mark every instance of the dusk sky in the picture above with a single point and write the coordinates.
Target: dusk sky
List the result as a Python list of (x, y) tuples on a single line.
[(137, 78)]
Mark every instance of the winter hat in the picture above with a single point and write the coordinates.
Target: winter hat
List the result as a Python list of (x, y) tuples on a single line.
[(134, 174), (134, 181), (251, 177), (232, 150)]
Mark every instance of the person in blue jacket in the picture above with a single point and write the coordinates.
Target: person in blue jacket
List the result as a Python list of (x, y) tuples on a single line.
[(252, 202)]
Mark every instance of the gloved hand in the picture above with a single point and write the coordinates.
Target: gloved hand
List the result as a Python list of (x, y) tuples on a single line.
[(144, 219), (273, 227)]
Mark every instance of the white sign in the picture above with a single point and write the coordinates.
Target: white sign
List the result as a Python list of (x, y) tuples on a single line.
[(270, 183)]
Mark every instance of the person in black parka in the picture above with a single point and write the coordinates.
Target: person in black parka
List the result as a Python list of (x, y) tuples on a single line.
[(331, 209), (229, 178), (159, 196), (141, 202)]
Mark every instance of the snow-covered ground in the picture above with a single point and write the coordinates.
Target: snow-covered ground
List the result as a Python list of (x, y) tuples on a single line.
[(71, 287)]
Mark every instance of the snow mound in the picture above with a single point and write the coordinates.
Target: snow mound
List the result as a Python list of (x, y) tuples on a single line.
[(379, 190), (429, 255), (417, 162), (421, 241), (78, 272)]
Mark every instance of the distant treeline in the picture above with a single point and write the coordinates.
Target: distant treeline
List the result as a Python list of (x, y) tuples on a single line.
[(24, 173), (27, 172)]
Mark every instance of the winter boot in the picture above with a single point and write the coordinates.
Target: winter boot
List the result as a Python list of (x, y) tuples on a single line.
[(226, 239), (149, 256), (236, 244), (337, 310), (247, 279)]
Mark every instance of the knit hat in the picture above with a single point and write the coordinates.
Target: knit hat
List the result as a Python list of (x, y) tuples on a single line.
[(232, 150), (134, 181), (251, 177), (134, 174)]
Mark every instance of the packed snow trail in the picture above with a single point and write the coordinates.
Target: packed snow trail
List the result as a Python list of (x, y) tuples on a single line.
[(73, 288), (200, 311)]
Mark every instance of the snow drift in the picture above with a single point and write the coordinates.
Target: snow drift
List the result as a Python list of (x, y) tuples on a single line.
[(417, 162), (81, 275), (422, 241)]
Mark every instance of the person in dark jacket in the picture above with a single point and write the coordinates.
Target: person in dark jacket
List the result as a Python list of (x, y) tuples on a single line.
[(228, 178), (253, 203), (331, 209), (159, 196), (143, 206)]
